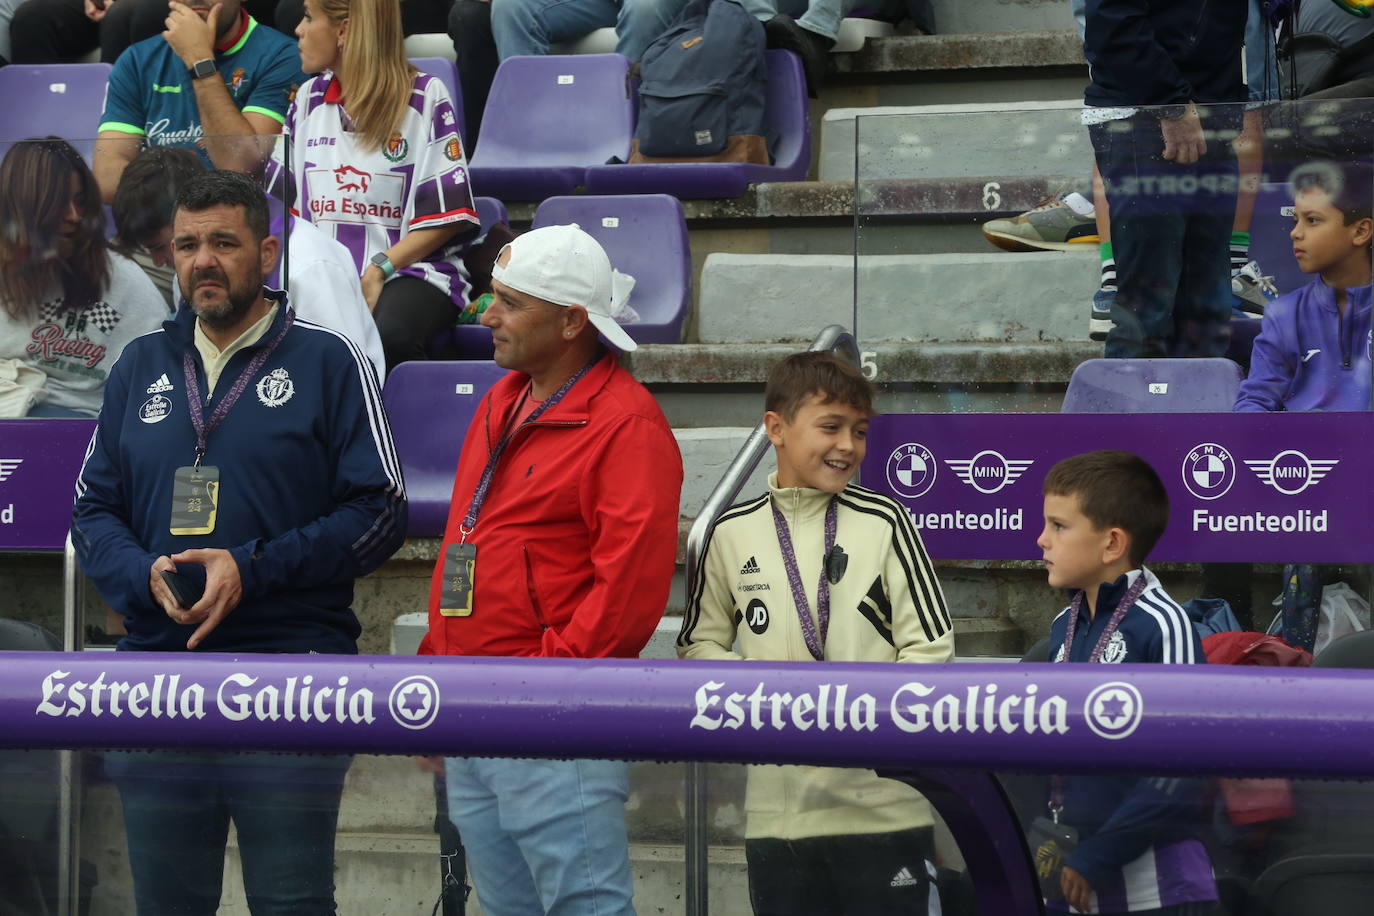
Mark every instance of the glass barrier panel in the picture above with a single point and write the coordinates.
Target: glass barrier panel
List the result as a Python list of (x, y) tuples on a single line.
[(982, 287)]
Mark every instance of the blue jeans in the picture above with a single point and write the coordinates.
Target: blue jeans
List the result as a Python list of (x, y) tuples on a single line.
[(530, 26), (819, 16), (1171, 232), (544, 836), (177, 809)]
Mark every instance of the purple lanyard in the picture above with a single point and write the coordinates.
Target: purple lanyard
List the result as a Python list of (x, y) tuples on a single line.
[(479, 495), (1127, 602), (814, 643), (203, 427)]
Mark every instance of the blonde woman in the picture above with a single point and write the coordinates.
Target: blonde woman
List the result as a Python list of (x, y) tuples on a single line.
[(371, 155)]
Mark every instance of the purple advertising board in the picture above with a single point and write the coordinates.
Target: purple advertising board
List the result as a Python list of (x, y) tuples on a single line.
[(39, 461), (1243, 487), (1131, 718)]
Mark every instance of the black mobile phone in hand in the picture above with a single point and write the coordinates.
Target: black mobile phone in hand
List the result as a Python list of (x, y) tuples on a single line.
[(184, 589)]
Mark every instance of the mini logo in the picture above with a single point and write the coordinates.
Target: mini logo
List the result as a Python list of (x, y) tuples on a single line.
[(275, 388), (236, 80), (703, 137), (1115, 651), (162, 384), (155, 409), (351, 179), (903, 878), (396, 147), (756, 615), (911, 470), (1113, 710), (988, 471), (414, 701), (1309, 354), (1208, 471), (453, 150), (750, 566), (1290, 472), (8, 466), (448, 118)]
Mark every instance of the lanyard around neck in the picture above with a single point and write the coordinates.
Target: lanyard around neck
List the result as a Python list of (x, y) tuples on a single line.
[(204, 427), (813, 633), (479, 495)]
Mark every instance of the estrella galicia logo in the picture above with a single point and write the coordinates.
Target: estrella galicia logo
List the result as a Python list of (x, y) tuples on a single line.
[(756, 615), (988, 471), (1113, 710), (1208, 471), (414, 701), (911, 470), (1290, 471)]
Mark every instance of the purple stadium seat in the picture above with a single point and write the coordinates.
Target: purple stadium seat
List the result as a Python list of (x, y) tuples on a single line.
[(547, 120), (63, 100), (430, 405), (788, 116), (1270, 244), (645, 236), (1152, 386), (448, 74), (489, 211)]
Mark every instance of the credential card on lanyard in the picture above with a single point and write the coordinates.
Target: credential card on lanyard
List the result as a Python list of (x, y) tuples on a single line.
[(195, 500), (460, 565)]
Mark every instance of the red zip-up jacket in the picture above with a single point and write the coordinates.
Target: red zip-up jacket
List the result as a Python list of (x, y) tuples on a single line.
[(577, 538)]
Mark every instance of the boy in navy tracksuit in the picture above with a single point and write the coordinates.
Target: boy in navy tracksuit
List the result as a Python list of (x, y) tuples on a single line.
[(1312, 352), (1137, 849)]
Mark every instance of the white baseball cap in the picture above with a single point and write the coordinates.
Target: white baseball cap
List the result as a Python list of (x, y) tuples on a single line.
[(566, 266)]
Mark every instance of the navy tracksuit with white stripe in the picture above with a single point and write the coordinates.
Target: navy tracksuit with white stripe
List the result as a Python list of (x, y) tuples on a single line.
[(1138, 835), (311, 494)]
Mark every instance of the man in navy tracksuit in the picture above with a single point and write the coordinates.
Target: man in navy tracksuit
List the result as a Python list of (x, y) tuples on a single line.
[(245, 450), (1171, 187)]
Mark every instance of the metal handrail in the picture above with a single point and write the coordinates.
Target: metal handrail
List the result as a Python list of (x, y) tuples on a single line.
[(836, 338)]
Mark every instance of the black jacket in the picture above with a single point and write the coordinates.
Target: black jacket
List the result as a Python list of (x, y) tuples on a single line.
[(1164, 52)]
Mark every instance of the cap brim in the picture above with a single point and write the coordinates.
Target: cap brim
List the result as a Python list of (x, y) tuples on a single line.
[(612, 331)]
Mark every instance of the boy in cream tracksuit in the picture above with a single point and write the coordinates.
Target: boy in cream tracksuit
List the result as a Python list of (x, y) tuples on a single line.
[(820, 570)]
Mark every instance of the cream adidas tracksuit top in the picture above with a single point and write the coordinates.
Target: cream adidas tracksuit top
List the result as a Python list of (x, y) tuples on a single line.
[(887, 607)]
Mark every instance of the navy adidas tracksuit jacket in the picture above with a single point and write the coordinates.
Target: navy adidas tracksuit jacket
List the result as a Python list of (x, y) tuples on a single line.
[(311, 489)]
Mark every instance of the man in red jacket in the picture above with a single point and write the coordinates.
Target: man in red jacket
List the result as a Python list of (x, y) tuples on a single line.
[(560, 543)]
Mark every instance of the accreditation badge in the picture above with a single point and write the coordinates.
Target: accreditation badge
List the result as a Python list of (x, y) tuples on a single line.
[(455, 595), (195, 500)]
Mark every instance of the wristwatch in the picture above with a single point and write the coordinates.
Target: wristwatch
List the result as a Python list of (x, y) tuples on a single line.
[(202, 68), (383, 263)]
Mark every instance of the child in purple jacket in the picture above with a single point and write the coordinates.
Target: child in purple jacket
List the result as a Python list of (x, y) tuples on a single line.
[(1312, 352)]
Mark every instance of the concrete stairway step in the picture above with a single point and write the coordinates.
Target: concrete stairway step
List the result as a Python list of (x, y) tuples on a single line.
[(998, 296), (1001, 15), (1003, 140), (1018, 49)]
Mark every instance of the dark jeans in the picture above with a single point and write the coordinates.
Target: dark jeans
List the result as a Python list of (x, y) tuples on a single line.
[(469, 25), (1171, 231), (409, 313), (854, 875), (177, 809)]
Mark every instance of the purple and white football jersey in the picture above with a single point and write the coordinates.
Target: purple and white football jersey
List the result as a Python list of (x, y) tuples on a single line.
[(368, 199)]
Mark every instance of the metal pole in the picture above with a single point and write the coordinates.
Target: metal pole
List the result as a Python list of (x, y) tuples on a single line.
[(69, 762)]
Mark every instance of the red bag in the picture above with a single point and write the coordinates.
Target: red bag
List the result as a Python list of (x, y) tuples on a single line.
[(1253, 801), (1237, 648)]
